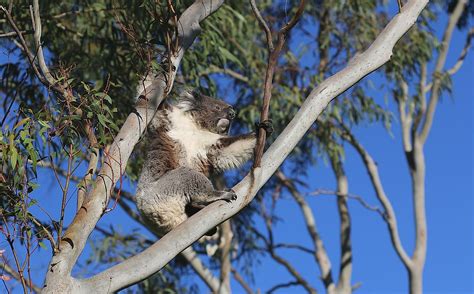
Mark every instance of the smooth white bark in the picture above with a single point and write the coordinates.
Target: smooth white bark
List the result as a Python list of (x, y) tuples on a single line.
[(58, 277)]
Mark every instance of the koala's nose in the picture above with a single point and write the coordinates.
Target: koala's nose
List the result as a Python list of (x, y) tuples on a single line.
[(231, 113)]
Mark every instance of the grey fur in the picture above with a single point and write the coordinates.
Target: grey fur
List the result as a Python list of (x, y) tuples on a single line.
[(188, 142)]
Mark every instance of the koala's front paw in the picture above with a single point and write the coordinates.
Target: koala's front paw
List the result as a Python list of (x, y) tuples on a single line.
[(230, 195), (267, 125)]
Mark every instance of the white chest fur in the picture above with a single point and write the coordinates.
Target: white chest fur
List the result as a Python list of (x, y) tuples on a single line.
[(195, 140)]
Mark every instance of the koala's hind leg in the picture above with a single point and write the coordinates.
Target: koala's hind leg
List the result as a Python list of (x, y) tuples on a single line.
[(206, 199)]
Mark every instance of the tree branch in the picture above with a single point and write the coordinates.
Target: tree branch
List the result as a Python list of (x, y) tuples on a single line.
[(58, 279), (273, 54), (159, 254), (391, 218), (9, 270), (440, 62), (320, 255), (241, 281), (345, 268)]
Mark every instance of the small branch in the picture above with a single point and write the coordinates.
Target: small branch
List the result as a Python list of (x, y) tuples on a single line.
[(440, 62), (299, 279), (13, 34), (273, 54), (281, 286), (215, 69), (48, 234), (391, 218), (345, 264), (321, 257), (263, 23), (459, 62), (206, 275), (23, 46), (294, 246), (4, 266), (92, 166), (357, 198), (241, 281)]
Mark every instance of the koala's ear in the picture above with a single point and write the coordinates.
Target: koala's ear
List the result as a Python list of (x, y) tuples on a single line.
[(186, 98)]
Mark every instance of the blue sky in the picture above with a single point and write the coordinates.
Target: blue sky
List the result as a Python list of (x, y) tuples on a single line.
[(449, 157)]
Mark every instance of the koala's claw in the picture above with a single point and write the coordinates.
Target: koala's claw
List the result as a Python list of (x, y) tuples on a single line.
[(267, 125), (230, 195)]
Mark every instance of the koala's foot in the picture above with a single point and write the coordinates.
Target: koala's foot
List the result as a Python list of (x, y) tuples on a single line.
[(267, 125), (228, 196)]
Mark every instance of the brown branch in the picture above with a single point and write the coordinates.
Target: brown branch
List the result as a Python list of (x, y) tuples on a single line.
[(48, 234), (283, 285), (263, 23), (92, 166), (9, 270), (273, 54)]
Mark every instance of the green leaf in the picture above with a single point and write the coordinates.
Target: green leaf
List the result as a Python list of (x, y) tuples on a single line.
[(13, 156), (228, 55)]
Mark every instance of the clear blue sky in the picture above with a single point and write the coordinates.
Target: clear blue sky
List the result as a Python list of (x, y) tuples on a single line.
[(449, 156)]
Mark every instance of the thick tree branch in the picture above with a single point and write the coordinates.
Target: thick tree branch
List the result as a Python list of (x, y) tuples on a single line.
[(159, 254), (189, 254), (58, 279), (345, 268), (226, 240)]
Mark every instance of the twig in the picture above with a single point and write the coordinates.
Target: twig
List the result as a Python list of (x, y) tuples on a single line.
[(241, 281), (280, 286), (16, 276), (358, 198), (273, 54), (264, 24)]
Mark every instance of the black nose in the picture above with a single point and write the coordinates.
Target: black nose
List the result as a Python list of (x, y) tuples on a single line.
[(231, 113)]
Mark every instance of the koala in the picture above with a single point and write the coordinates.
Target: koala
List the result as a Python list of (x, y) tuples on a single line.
[(188, 141)]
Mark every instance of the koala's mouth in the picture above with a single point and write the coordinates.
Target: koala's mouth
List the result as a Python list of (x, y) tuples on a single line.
[(223, 126)]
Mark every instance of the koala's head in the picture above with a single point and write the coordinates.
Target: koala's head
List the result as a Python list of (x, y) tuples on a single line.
[(209, 113)]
